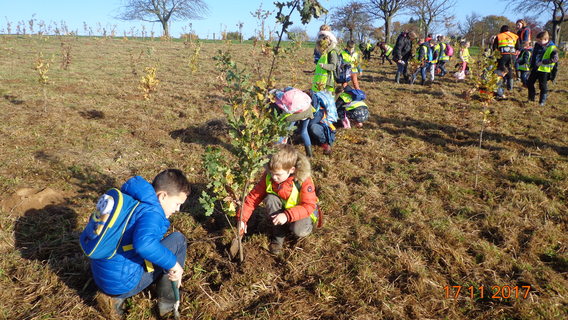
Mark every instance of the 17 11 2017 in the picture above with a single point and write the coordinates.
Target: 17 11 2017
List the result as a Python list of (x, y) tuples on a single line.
[(481, 292)]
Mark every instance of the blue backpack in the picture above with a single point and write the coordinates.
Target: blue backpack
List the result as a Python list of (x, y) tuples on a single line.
[(357, 95), (102, 236), (342, 72)]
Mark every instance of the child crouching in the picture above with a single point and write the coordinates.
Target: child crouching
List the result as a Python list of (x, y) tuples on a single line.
[(289, 195)]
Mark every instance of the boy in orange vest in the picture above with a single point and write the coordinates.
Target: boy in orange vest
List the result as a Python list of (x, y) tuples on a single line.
[(289, 195)]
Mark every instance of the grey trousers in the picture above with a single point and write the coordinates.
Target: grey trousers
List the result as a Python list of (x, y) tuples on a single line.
[(301, 228)]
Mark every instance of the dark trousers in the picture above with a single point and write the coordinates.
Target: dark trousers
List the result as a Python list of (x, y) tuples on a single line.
[(506, 64), (402, 69), (442, 65), (177, 244), (542, 78)]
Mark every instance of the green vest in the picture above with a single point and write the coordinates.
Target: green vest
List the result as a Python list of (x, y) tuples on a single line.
[(389, 50), (547, 67), (443, 56), (355, 105), (321, 75), (465, 55), (525, 66), (292, 200)]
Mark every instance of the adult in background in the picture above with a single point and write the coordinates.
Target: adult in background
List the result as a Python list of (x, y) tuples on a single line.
[(507, 43), (402, 53), (386, 52), (524, 34)]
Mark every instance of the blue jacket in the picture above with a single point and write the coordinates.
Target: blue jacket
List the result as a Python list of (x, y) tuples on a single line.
[(145, 230)]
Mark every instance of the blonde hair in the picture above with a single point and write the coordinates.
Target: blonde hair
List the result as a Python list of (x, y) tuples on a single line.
[(285, 158), (325, 27), (543, 35), (522, 22)]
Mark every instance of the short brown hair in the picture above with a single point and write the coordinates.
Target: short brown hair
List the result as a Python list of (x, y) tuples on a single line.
[(285, 158), (543, 35), (172, 181), (522, 22)]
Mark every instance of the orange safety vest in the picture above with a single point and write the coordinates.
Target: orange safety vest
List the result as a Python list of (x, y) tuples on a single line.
[(506, 42)]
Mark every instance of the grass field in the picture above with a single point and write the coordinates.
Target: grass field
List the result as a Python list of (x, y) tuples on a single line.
[(404, 222)]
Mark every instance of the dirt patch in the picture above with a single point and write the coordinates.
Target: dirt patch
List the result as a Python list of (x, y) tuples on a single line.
[(30, 198)]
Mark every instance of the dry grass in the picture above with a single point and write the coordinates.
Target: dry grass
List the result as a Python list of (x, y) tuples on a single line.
[(402, 217)]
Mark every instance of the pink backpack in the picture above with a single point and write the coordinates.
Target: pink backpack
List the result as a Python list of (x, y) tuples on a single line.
[(449, 50), (292, 100)]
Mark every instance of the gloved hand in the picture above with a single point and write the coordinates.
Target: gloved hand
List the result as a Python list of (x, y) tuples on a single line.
[(243, 228)]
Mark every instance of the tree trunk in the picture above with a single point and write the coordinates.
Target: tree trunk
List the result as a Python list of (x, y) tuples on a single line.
[(556, 31), (351, 34), (388, 28), (165, 27)]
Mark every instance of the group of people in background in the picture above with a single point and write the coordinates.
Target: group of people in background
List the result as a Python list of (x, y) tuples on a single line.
[(517, 56)]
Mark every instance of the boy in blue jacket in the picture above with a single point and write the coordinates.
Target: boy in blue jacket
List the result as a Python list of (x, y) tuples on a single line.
[(145, 256)]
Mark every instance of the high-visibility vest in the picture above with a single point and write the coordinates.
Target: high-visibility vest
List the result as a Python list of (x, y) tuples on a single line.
[(321, 75), (292, 200), (424, 49), (506, 42), (350, 58), (431, 59), (355, 105), (389, 50), (526, 54), (368, 46), (443, 56), (466, 57), (547, 67)]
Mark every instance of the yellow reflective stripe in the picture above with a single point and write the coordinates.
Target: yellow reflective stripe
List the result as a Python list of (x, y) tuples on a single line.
[(127, 247), (389, 50), (118, 208), (547, 67), (149, 266), (292, 200), (354, 105), (313, 217)]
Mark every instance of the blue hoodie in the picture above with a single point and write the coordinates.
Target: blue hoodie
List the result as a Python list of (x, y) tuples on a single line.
[(145, 230)]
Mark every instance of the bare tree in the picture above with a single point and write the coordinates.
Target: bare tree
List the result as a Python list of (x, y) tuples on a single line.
[(351, 17), (430, 11), (163, 11), (557, 8), (386, 10)]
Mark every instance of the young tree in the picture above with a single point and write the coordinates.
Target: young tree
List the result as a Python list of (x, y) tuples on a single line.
[(163, 11), (386, 10), (557, 8), (351, 18), (430, 11)]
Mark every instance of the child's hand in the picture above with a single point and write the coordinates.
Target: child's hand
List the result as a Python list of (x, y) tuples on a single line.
[(243, 228), (175, 273), (279, 219)]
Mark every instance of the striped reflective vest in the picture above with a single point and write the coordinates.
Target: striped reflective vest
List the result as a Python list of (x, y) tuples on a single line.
[(389, 50), (355, 105), (443, 56), (506, 42), (319, 82), (292, 200), (526, 57), (547, 67), (466, 57), (351, 59)]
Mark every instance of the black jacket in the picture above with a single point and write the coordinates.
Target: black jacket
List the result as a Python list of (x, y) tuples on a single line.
[(402, 48)]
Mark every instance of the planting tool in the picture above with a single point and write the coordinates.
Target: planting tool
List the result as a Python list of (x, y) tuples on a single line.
[(175, 287)]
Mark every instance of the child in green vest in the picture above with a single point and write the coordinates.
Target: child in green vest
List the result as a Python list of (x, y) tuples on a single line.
[(545, 56), (288, 192), (524, 61)]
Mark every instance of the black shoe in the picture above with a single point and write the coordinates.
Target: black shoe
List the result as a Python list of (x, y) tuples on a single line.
[(166, 297)]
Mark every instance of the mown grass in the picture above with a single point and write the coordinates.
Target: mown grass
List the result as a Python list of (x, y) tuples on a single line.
[(403, 219)]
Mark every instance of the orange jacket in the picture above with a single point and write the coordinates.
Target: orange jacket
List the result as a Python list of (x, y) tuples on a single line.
[(304, 209)]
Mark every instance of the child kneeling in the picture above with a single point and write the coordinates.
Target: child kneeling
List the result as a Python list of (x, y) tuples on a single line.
[(144, 256), (289, 195)]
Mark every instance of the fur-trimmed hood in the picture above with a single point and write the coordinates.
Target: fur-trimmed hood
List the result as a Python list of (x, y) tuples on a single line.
[(303, 168)]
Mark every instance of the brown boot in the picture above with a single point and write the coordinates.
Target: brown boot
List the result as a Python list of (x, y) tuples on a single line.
[(110, 307)]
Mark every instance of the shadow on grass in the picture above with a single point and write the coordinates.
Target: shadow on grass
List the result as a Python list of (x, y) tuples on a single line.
[(444, 135), (208, 134), (48, 235)]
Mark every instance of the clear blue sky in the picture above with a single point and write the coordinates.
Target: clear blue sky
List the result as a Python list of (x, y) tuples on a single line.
[(223, 14)]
